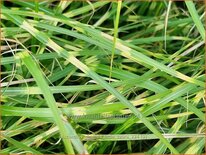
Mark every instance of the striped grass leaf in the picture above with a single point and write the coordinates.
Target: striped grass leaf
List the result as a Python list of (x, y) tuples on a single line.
[(65, 128)]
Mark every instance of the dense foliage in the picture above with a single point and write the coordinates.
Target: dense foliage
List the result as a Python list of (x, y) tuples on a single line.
[(102, 77)]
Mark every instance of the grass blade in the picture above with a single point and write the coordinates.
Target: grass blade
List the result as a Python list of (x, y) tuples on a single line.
[(65, 131), (193, 12)]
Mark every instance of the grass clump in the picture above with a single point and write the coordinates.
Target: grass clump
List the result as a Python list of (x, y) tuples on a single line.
[(102, 77)]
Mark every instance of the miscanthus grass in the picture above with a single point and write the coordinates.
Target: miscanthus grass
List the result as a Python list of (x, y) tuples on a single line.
[(87, 77)]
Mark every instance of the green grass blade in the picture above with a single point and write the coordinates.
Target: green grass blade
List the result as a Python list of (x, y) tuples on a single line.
[(193, 12), (116, 25), (21, 146), (65, 131)]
